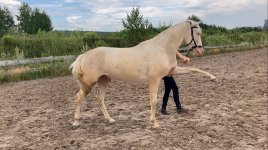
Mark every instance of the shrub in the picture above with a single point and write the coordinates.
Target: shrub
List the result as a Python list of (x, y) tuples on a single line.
[(9, 44), (100, 43), (35, 71), (40, 46), (19, 54)]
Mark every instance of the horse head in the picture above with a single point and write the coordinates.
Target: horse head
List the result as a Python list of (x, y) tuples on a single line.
[(193, 38)]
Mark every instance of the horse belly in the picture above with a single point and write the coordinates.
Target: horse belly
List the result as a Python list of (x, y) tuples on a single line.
[(128, 74)]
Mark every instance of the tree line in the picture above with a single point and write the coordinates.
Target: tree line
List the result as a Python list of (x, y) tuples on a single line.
[(29, 20)]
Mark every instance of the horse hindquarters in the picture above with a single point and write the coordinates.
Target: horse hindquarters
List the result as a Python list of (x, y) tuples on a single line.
[(85, 82)]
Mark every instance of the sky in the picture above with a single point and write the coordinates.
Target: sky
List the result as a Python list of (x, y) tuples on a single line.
[(107, 15)]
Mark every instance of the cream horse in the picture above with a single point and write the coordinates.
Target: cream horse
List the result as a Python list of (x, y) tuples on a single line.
[(150, 61)]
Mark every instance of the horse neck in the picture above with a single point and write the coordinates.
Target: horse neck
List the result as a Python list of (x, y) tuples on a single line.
[(171, 39)]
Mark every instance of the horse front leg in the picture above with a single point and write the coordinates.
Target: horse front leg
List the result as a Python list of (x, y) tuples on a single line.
[(154, 84), (183, 70)]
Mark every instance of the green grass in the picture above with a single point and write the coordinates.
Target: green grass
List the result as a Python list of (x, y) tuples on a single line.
[(60, 43), (232, 49), (34, 71)]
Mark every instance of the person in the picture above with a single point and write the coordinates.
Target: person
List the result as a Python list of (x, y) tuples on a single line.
[(170, 84)]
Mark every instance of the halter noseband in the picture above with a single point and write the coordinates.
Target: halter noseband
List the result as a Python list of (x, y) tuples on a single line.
[(193, 40)]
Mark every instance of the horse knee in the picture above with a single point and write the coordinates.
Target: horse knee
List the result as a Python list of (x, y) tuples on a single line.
[(80, 96)]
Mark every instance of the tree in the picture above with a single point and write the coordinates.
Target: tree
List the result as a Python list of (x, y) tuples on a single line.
[(24, 18), (6, 21), (39, 21), (33, 21), (136, 28)]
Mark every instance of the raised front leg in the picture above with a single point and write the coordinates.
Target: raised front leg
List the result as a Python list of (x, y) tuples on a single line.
[(183, 70), (154, 84)]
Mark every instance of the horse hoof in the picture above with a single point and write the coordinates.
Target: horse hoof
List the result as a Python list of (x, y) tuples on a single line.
[(156, 125), (76, 123), (111, 120), (213, 78)]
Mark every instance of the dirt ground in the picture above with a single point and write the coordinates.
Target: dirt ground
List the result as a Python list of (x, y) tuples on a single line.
[(230, 113)]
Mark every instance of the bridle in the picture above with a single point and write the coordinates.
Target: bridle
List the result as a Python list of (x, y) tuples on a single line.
[(193, 40)]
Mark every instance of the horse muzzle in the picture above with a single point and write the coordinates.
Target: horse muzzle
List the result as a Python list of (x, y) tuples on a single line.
[(198, 51)]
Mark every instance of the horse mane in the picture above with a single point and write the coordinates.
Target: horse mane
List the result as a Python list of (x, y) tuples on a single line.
[(170, 29)]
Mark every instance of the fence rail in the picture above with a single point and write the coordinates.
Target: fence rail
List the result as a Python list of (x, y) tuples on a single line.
[(237, 46), (15, 62)]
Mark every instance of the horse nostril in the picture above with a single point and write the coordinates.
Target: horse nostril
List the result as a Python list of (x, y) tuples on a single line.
[(200, 51)]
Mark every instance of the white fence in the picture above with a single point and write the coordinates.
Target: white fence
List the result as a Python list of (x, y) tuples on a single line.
[(16, 62), (237, 46)]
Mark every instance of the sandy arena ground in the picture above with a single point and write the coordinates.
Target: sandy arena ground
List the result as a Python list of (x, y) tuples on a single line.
[(230, 113)]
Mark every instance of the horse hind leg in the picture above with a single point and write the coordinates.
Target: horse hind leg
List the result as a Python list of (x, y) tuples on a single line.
[(102, 87), (81, 95)]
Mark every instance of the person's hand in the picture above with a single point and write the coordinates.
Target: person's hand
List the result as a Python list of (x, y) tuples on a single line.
[(185, 59)]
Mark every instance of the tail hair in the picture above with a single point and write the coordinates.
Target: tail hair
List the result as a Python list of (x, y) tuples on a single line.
[(76, 67)]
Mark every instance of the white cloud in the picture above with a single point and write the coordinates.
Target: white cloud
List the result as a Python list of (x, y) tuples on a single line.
[(104, 15), (73, 19), (13, 7), (210, 7), (107, 15), (228, 6), (10, 2), (69, 1)]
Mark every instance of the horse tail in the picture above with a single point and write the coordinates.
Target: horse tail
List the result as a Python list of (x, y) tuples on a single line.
[(76, 68)]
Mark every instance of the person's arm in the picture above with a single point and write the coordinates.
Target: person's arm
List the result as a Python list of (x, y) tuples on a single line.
[(183, 58)]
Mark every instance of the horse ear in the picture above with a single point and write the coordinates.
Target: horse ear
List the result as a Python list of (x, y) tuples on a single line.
[(190, 21)]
